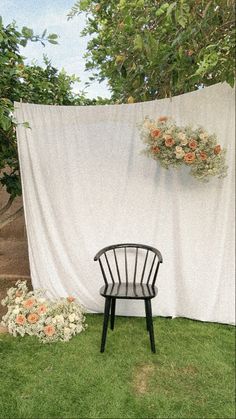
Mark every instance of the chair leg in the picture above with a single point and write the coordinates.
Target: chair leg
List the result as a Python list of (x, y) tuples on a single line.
[(105, 322), (150, 325), (145, 302), (113, 311)]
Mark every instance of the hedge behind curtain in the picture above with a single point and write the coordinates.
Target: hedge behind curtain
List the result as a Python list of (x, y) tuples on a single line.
[(87, 185)]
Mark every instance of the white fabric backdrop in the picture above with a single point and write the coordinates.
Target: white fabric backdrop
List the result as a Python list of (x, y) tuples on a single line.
[(86, 185)]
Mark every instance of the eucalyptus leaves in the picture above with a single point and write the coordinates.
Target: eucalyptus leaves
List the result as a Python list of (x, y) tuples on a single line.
[(174, 146)]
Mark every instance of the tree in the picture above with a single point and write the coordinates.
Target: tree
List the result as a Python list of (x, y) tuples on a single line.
[(151, 49), (29, 83)]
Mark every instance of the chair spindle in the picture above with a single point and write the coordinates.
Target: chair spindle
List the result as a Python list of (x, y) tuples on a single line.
[(144, 267)]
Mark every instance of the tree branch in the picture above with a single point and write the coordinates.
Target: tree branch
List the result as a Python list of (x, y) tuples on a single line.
[(11, 217), (7, 206)]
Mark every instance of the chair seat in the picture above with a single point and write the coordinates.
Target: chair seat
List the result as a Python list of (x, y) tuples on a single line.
[(129, 291)]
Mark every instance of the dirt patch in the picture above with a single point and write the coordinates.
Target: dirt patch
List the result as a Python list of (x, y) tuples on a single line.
[(14, 257), (14, 261), (142, 377), (13, 241), (188, 370)]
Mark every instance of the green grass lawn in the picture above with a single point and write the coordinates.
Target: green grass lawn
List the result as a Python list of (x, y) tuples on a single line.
[(190, 376)]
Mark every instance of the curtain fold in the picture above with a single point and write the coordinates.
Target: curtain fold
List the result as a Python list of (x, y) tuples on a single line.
[(86, 185)]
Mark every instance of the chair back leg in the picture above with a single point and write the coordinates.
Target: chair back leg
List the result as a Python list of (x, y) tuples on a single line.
[(146, 314), (150, 324), (105, 322)]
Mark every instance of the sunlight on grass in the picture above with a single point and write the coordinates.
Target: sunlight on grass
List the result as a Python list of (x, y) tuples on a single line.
[(190, 376)]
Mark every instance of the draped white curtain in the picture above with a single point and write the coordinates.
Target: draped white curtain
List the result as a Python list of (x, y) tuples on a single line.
[(86, 185)]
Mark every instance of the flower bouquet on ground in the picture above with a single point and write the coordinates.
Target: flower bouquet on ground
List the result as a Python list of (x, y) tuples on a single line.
[(29, 312), (175, 146)]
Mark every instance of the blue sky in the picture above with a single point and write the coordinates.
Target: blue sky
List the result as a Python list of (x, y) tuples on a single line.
[(52, 15)]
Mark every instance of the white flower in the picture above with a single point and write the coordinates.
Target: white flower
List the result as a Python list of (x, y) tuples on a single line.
[(41, 300), (72, 317), (59, 318), (148, 124), (79, 328), (48, 320), (18, 300), (181, 136), (67, 330), (179, 152), (16, 310), (72, 326), (184, 142), (204, 136), (179, 156)]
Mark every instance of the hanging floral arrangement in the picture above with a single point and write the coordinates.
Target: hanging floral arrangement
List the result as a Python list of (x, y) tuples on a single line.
[(175, 146)]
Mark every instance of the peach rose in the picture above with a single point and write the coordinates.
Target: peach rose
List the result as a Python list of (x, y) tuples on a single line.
[(189, 157), (20, 319), (156, 149), (18, 293), (217, 149), (163, 118), (70, 299), (167, 136), (49, 330), (169, 142), (192, 144), (28, 303), (42, 309), (155, 133), (203, 155), (33, 318)]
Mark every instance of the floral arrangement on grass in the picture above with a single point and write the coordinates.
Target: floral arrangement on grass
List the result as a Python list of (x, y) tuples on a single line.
[(174, 146), (30, 313)]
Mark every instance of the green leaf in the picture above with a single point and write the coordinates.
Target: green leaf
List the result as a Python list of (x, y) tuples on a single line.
[(138, 42), (5, 122), (170, 8), (83, 4), (27, 32), (162, 9), (23, 42), (52, 36), (26, 125), (52, 41), (231, 80)]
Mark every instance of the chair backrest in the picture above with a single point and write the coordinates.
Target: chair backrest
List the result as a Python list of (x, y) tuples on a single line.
[(129, 262)]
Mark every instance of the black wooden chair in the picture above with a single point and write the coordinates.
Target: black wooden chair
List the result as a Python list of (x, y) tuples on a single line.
[(118, 264)]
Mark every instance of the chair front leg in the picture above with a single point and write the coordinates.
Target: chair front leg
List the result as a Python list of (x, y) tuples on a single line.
[(105, 322), (150, 325), (113, 311)]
